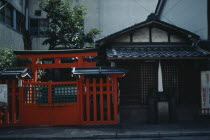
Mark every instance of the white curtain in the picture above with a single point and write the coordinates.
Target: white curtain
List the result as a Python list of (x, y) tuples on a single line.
[(160, 78)]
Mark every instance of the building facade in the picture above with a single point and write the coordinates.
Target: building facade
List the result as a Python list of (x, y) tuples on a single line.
[(191, 15), (11, 13), (164, 65), (161, 53), (108, 16)]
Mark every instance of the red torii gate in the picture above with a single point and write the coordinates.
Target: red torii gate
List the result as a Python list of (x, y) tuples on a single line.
[(90, 99)]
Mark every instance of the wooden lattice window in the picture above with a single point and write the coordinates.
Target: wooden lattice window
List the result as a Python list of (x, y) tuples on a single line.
[(142, 81), (170, 75), (147, 81), (137, 84), (36, 94), (64, 93)]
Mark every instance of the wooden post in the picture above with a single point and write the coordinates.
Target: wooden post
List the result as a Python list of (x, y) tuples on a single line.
[(80, 95), (21, 102), (13, 102), (1, 116), (34, 69), (101, 101), (94, 100), (80, 61), (108, 100), (6, 112), (115, 86), (49, 92), (88, 99)]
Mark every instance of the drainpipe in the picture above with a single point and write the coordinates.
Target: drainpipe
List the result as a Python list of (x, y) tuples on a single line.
[(26, 15), (14, 19), (159, 8)]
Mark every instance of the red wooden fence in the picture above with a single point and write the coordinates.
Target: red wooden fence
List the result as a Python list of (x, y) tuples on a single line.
[(37, 103), (10, 115), (99, 101), (95, 100), (50, 103)]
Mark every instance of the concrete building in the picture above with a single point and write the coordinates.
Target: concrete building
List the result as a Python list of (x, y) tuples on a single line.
[(108, 16), (191, 15), (10, 31), (161, 53)]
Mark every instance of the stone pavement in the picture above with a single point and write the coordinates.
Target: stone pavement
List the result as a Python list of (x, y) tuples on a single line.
[(190, 128)]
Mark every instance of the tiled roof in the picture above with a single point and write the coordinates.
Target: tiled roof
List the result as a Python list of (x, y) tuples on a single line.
[(156, 52), (97, 70), (13, 72)]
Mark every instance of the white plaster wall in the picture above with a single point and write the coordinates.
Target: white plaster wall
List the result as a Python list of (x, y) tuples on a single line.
[(10, 38), (141, 35), (125, 38), (159, 35), (34, 5), (188, 14), (110, 16), (20, 6)]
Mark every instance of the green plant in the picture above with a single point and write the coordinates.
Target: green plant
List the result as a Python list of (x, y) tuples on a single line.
[(66, 25), (7, 58)]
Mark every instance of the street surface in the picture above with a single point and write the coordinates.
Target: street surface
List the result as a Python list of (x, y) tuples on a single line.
[(165, 138)]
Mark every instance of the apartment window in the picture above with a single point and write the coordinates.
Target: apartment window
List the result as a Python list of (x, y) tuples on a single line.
[(34, 26), (6, 16), (9, 15), (2, 11), (39, 26), (6, 13), (19, 20)]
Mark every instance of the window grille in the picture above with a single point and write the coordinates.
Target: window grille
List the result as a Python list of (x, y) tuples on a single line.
[(6, 16), (2, 11), (39, 26), (140, 83), (64, 93), (9, 15), (36, 94), (19, 20), (147, 81)]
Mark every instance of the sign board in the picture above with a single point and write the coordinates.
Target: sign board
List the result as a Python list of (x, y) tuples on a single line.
[(3, 94), (205, 92)]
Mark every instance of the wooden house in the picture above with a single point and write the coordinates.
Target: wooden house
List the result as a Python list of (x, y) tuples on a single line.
[(144, 48)]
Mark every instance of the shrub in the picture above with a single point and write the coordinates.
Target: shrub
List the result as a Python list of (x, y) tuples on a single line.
[(7, 58)]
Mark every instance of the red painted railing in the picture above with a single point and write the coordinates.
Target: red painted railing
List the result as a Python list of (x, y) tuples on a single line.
[(99, 101), (10, 115)]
